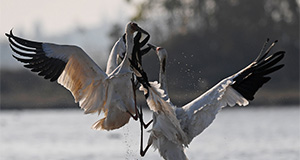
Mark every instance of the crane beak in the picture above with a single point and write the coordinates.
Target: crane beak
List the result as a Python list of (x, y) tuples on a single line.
[(152, 46)]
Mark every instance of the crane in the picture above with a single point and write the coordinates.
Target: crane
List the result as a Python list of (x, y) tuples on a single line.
[(198, 114), (71, 67)]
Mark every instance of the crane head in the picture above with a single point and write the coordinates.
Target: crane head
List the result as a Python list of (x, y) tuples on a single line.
[(161, 52), (132, 27)]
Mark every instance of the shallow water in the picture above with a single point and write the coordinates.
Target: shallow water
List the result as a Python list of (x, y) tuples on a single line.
[(236, 134)]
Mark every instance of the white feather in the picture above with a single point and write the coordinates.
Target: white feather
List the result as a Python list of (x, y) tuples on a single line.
[(95, 90), (165, 123), (195, 116)]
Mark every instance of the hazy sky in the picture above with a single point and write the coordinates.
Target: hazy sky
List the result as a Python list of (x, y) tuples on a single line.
[(58, 16), (55, 17)]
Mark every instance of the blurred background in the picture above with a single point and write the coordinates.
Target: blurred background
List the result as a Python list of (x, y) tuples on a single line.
[(207, 40)]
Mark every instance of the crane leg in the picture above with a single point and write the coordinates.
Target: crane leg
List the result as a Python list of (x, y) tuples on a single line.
[(136, 116), (142, 151), (139, 115), (145, 125)]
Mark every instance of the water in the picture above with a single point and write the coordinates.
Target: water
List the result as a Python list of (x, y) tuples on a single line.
[(236, 134)]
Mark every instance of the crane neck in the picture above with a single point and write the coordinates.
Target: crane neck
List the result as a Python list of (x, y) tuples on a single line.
[(163, 75), (112, 62), (129, 48)]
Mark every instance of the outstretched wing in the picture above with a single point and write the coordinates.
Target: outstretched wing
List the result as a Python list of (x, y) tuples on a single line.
[(249, 80), (69, 65), (236, 89)]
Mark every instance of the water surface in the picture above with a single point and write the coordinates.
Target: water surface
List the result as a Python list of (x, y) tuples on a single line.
[(236, 134)]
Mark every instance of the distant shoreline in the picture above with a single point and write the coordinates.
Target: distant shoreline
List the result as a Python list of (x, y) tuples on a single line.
[(33, 92), (77, 108)]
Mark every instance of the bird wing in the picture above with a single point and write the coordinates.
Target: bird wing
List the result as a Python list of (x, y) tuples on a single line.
[(166, 122), (236, 89), (69, 65), (170, 150)]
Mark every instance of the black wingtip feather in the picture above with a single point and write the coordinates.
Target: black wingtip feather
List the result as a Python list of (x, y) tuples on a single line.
[(60, 68), (145, 51), (269, 62), (7, 35), (19, 46), (260, 58), (269, 70), (21, 53), (137, 53), (248, 90), (22, 60), (49, 68), (25, 42), (254, 77), (145, 41), (137, 37)]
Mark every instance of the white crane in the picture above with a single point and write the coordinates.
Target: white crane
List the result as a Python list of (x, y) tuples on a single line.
[(197, 115), (95, 90), (166, 126)]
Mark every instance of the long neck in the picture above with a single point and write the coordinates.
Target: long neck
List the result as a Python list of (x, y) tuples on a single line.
[(112, 61), (163, 75), (129, 48)]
